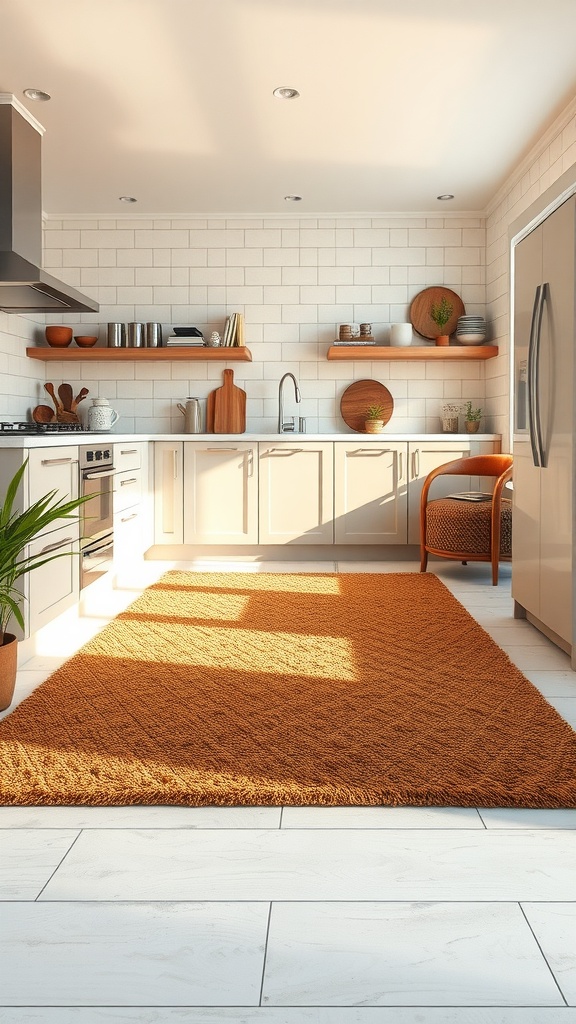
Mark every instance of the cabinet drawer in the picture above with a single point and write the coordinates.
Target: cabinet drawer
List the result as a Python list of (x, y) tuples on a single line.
[(127, 489), (128, 456)]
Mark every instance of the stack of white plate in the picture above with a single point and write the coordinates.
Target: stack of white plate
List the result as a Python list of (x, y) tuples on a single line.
[(471, 330)]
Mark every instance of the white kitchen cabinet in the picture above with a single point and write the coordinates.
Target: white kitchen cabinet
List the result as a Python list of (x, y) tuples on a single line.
[(220, 492), (296, 492), (52, 469), (132, 535), (55, 586), (168, 492), (370, 495)]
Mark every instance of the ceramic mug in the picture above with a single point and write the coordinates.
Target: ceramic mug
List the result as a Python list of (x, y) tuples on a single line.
[(100, 416), (401, 334)]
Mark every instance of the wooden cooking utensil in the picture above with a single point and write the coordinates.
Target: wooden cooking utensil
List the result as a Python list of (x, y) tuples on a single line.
[(43, 414), (361, 394), (79, 398), (57, 403), (229, 407), (66, 396)]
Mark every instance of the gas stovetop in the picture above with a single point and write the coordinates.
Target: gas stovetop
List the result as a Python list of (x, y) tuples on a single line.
[(41, 428)]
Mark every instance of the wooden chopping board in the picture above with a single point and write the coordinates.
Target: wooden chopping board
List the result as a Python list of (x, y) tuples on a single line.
[(226, 408), (420, 311), (358, 396)]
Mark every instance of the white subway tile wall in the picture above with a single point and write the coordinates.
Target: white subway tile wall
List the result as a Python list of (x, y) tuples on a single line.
[(295, 280)]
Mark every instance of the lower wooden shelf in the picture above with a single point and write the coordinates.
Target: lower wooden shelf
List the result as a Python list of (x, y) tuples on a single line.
[(232, 354), (353, 352)]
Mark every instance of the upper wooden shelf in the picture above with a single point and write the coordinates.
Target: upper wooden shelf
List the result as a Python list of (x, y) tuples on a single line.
[(227, 354), (412, 352)]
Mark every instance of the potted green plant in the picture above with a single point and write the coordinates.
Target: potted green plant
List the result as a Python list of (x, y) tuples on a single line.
[(472, 418), (374, 423), (17, 530), (440, 313)]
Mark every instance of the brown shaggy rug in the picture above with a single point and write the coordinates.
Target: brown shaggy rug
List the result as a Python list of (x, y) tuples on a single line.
[(233, 688)]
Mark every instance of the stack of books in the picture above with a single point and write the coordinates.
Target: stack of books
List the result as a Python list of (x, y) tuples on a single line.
[(234, 331), (186, 337)]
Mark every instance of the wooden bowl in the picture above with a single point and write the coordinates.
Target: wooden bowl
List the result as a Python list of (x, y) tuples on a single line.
[(58, 337), (85, 340)]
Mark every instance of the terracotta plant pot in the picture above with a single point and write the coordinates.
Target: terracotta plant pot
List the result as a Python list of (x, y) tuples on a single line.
[(58, 337), (472, 426), (374, 426), (8, 666), (443, 339)]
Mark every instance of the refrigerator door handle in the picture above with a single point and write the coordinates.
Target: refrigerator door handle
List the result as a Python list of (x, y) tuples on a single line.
[(537, 418), (532, 382)]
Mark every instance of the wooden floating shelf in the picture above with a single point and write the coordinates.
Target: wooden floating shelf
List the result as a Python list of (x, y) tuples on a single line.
[(174, 353), (409, 352)]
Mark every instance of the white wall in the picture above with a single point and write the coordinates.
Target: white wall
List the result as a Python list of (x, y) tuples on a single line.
[(294, 279)]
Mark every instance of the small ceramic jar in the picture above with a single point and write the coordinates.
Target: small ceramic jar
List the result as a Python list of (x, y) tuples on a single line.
[(100, 416)]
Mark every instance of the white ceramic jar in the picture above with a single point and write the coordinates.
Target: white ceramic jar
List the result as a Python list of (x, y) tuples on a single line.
[(401, 334), (100, 416)]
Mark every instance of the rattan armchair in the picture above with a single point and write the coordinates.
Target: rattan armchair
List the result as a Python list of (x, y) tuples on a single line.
[(469, 531)]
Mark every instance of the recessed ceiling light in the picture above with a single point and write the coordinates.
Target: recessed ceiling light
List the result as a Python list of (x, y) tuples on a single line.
[(446, 196), (293, 199), (36, 94), (284, 92), (127, 199)]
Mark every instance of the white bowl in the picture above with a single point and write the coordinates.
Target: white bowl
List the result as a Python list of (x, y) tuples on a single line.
[(470, 339)]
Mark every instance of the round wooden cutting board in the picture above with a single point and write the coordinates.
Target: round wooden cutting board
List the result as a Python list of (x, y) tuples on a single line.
[(358, 396), (420, 311)]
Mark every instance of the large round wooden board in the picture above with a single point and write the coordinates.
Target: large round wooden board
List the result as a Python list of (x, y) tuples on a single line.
[(358, 396), (420, 311)]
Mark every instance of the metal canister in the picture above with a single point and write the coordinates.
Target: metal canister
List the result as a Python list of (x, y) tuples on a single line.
[(153, 335), (135, 335), (191, 411), (116, 336)]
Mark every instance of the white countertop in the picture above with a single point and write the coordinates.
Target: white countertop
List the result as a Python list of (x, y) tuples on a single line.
[(87, 438)]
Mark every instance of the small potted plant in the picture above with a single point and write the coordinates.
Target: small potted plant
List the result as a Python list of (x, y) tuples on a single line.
[(17, 530), (440, 313), (472, 418), (374, 422)]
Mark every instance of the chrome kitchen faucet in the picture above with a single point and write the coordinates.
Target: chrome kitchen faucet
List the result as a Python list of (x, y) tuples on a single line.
[(286, 427)]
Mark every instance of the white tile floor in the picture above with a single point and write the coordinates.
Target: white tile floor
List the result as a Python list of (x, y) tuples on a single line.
[(297, 915)]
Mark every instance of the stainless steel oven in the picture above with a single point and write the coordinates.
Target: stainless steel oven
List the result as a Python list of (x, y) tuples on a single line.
[(97, 527)]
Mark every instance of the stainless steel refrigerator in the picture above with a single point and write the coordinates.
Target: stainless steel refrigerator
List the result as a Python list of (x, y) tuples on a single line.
[(544, 422)]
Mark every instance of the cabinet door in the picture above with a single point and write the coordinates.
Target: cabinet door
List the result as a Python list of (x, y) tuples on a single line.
[(296, 493), (370, 503), (168, 493), (220, 493), (53, 469), (127, 489), (422, 459), (54, 586), (128, 456)]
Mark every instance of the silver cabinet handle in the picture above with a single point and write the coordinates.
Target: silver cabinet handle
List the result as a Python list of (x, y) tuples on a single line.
[(126, 519), (132, 480), (416, 463), (128, 451), (175, 463), (57, 544), (56, 462), (284, 451), (400, 465), (222, 449), (370, 451)]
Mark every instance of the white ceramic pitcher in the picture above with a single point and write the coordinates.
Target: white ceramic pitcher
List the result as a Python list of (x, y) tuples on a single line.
[(100, 416)]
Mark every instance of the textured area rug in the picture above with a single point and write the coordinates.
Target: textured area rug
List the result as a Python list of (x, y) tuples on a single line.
[(233, 688)]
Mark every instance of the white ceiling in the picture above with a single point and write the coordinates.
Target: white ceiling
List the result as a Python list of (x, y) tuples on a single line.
[(171, 101)]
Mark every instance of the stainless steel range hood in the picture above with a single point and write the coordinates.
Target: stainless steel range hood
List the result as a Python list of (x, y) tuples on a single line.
[(24, 286)]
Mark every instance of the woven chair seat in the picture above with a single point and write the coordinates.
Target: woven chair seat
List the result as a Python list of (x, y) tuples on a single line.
[(453, 525)]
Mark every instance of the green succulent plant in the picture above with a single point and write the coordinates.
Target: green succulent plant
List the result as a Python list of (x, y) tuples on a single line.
[(374, 412), (472, 415)]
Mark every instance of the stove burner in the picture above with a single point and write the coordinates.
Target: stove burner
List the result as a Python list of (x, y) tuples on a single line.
[(40, 428)]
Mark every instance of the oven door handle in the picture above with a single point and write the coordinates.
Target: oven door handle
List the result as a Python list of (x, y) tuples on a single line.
[(98, 474)]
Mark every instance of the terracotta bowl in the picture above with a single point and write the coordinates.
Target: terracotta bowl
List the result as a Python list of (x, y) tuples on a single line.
[(58, 337), (85, 340)]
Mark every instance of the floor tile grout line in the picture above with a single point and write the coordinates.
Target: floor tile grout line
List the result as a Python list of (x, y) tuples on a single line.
[(58, 866), (264, 958), (542, 953)]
